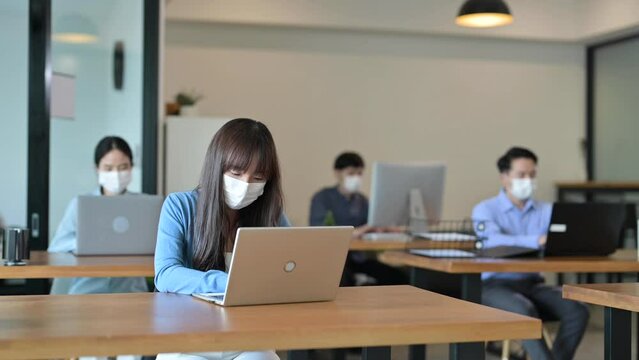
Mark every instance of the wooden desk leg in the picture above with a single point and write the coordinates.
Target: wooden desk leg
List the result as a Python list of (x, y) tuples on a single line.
[(376, 353), (617, 343), (297, 355)]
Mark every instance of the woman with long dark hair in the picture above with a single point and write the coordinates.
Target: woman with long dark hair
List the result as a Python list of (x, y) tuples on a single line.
[(113, 161), (240, 185)]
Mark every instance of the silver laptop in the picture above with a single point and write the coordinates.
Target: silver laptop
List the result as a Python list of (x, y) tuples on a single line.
[(118, 225), (284, 265)]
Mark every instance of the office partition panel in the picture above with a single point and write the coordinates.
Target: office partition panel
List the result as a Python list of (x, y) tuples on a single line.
[(613, 110)]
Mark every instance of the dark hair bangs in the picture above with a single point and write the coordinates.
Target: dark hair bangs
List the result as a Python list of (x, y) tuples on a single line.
[(249, 150)]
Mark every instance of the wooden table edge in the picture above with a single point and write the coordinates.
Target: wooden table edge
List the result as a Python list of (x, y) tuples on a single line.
[(202, 342), (600, 297), (531, 265), (71, 271)]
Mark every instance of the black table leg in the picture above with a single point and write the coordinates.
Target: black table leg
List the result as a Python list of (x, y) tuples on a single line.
[(436, 281), (376, 353), (417, 352), (471, 287), (470, 291), (298, 355), (338, 354), (462, 286), (467, 351), (617, 344)]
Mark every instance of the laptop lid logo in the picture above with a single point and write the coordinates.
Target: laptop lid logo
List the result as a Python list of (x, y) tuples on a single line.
[(120, 225), (290, 266)]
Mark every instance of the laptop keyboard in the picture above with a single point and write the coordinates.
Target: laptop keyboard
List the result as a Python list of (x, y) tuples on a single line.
[(399, 237), (212, 297), (444, 253)]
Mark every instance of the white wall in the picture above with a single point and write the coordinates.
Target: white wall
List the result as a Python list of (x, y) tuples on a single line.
[(546, 20), (601, 19), (124, 113), (14, 42), (72, 141), (391, 97), (550, 20)]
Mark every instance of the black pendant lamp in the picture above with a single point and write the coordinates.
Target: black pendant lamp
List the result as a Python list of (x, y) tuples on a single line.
[(484, 14)]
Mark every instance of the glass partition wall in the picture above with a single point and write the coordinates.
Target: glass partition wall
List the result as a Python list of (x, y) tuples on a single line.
[(97, 47), (73, 71), (14, 72), (615, 111)]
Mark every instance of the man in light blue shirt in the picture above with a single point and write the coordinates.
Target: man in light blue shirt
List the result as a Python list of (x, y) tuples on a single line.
[(514, 218)]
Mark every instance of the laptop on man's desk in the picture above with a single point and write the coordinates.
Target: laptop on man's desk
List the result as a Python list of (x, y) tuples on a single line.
[(576, 229), (587, 229)]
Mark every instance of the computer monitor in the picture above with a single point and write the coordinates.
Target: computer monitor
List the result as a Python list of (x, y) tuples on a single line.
[(396, 187)]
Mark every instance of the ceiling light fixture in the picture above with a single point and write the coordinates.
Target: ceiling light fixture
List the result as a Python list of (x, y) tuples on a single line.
[(484, 14), (74, 29)]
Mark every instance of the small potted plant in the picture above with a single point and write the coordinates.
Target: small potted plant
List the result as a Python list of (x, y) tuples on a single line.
[(187, 100)]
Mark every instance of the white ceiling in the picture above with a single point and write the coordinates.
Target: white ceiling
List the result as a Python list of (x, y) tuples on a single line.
[(579, 21)]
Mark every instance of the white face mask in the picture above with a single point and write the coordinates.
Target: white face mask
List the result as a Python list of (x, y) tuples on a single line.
[(114, 181), (523, 189), (239, 194), (352, 183)]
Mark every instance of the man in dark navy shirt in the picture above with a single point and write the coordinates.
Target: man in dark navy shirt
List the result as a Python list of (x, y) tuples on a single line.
[(344, 205)]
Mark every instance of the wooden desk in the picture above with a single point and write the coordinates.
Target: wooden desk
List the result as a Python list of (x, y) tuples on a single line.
[(462, 277), (624, 260), (368, 245), (73, 325), (44, 265), (619, 300)]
